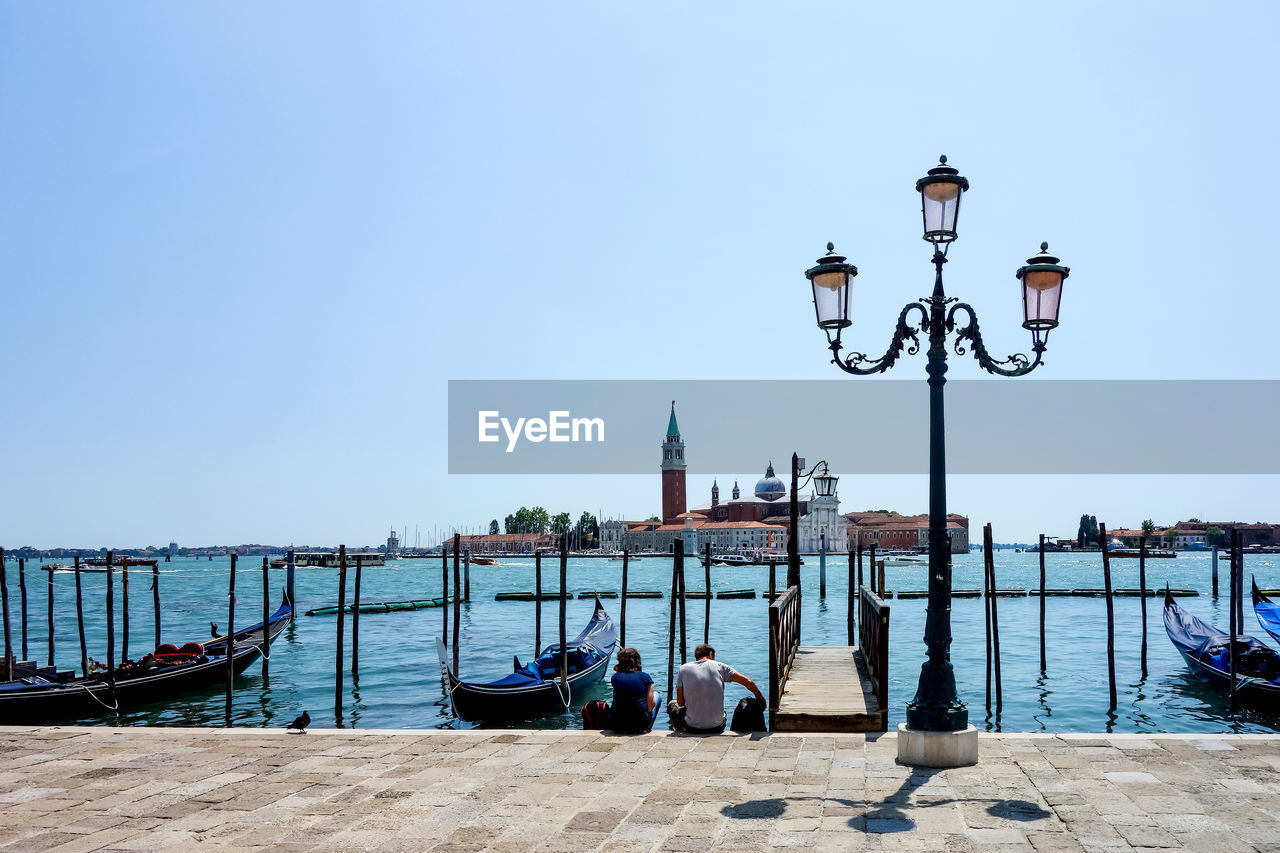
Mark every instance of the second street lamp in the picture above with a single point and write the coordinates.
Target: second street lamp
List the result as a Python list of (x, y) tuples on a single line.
[(936, 707)]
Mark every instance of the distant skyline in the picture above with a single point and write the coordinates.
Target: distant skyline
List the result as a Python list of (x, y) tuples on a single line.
[(244, 248)]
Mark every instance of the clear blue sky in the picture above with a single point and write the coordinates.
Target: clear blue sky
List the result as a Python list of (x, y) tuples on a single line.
[(244, 246)]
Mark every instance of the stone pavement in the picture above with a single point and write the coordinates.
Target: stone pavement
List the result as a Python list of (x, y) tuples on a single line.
[(82, 789)]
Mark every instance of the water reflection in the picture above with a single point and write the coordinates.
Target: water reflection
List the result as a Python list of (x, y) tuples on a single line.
[(1042, 699)]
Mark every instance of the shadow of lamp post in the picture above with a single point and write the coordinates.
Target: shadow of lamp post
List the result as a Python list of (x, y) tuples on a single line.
[(936, 706)]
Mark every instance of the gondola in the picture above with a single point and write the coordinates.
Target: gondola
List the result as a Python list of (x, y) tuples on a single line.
[(534, 689), (1267, 611), (1204, 648), (171, 671)]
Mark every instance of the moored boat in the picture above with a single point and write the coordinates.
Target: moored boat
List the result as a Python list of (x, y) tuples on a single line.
[(1206, 651), (171, 671), (1152, 553), (1267, 611), (536, 688)]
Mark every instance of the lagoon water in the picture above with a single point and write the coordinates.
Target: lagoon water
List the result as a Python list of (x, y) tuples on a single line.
[(400, 686)]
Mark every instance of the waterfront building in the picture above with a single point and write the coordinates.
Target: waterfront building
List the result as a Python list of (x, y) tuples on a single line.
[(173, 550), (393, 545), (504, 543), (891, 531)]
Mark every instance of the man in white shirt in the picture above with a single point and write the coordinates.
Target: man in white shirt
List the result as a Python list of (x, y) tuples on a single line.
[(699, 704)]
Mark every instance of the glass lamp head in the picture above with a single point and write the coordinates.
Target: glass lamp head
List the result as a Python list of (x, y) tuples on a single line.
[(1042, 279), (830, 280), (940, 193)]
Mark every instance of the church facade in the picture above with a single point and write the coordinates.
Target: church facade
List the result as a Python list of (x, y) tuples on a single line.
[(759, 522)]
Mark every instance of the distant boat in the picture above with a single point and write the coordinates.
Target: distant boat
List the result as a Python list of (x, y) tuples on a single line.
[(1206, 652), (1152, 553)]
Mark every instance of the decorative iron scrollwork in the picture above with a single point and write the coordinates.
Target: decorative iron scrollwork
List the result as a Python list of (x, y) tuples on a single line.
[(1015, 365), (853, 363)]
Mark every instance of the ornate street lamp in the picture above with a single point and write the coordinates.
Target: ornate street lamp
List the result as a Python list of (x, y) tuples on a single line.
[(825, 485), (936, 707)]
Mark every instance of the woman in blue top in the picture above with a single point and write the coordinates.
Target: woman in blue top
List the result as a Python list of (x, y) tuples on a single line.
[(634, 706)]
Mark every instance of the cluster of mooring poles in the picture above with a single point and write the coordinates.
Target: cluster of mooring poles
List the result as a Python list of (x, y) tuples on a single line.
[(110, 567)]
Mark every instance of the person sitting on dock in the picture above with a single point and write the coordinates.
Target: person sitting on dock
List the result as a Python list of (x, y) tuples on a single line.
[(699, 704), (634, 706)]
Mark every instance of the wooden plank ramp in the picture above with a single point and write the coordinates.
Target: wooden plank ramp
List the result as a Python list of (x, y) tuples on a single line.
[(828, 691)]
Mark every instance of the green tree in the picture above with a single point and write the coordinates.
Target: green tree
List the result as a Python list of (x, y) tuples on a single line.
[(585, 531), (560, 524), (1148, 528), (538, 520), (493, 527), (653, 518), (1170, 536), (1216, 535)]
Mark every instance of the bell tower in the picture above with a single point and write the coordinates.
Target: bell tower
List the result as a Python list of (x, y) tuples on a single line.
[(673, 466)]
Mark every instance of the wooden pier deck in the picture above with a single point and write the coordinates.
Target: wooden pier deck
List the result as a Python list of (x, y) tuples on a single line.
[(828, 690)]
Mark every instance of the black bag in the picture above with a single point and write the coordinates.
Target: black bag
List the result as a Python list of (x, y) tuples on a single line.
[(595, 714), (749, 716)]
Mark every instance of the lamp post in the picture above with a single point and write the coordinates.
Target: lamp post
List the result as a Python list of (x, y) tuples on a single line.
[(825, 485), (936, 706)]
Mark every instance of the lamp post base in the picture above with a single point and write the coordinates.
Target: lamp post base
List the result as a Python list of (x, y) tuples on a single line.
[(937, 749)]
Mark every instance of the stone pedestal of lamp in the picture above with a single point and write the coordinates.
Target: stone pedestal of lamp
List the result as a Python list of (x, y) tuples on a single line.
[(937, 749)]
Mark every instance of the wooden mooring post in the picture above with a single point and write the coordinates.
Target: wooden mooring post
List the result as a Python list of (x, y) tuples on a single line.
[(49, 596), (124, 611), (111, 626), (1142, 594), (457, 601), (266, 616), (684, 637), (444, 595), (850, 618), (1233, 621), (871, 564), (822, 567), (231, 634), (564, 590), (537, 602), (22, 602), (84, 646), (342, 621), (1111, 618), (155, 604), (622, 606), (355, 621), (1043, 661), (773, 580), (8, 630), (988, 553), (706, 621), (671, 629), (466, 575)]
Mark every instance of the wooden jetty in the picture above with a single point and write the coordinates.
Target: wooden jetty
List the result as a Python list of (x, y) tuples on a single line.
[(829, 688)]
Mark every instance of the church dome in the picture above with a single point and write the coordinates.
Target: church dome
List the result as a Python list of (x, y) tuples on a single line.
[(770, 488)]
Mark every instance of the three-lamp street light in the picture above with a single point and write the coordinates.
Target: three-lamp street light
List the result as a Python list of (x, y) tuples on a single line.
[(936, 707)]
